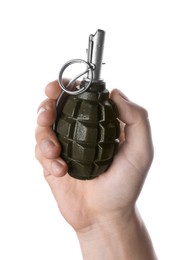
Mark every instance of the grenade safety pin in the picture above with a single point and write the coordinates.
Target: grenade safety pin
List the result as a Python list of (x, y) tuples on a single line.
[(86, 125)]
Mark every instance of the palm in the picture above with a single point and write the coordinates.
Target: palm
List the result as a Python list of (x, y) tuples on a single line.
[(81, 202)]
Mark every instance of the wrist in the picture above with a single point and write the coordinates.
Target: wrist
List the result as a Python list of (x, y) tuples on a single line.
[(105, 226), (117, 238), (99, 240)]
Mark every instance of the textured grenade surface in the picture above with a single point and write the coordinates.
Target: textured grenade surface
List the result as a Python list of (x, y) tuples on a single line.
[(87, 130)]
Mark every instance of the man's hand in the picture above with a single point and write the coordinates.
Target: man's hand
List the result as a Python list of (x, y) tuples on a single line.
[(102, 211), (85, 202)]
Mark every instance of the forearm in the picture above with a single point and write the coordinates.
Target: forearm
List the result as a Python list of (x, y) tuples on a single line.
[(129, 240)]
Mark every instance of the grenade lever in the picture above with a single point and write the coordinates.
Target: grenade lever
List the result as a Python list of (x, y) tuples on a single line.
[(95, 53), (93, 64)]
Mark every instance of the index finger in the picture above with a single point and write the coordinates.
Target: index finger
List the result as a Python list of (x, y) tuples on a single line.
[(53, 88)]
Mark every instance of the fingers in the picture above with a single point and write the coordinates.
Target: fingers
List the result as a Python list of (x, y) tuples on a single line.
[(46, 113), (47, 141), (48, 149), (53, 90), (45, 137), (56, 167)]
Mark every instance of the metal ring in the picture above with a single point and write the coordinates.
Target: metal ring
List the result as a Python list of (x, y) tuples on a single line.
[(68, 87)]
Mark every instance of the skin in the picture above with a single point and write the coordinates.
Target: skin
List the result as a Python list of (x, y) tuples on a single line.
[(102, 211)]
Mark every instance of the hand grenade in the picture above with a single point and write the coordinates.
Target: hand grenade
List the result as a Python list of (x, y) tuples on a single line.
[(86, 125)]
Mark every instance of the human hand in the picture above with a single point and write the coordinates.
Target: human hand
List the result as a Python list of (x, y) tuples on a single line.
[(113, 193)]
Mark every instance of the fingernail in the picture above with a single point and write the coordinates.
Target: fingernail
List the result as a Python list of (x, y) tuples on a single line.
[(46, 146), (41, 110), (56, 168)]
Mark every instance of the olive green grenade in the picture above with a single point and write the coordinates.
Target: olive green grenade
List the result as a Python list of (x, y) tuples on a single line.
[(86, 125)]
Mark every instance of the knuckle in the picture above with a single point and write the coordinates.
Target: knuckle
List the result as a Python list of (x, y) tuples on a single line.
[(142, 113), (37, 152)]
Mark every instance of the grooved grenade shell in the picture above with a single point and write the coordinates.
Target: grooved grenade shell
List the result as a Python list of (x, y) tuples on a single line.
[(87, 130)]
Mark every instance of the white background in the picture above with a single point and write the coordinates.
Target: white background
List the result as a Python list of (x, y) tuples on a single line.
[(36, 39)]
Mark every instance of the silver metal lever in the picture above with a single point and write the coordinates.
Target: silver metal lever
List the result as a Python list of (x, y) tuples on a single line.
[(95, 53), (93, 64)]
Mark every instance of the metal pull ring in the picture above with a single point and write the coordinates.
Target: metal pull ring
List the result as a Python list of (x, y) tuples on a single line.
[(89, 69)]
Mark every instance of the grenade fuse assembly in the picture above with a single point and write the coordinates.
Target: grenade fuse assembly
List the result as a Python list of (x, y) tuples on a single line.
[(86, 124)]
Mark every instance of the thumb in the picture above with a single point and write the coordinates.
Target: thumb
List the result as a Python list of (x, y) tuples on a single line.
[(138, 140), (129, 112)]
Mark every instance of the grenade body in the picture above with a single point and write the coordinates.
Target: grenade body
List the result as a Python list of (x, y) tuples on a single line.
[(87, 130)]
